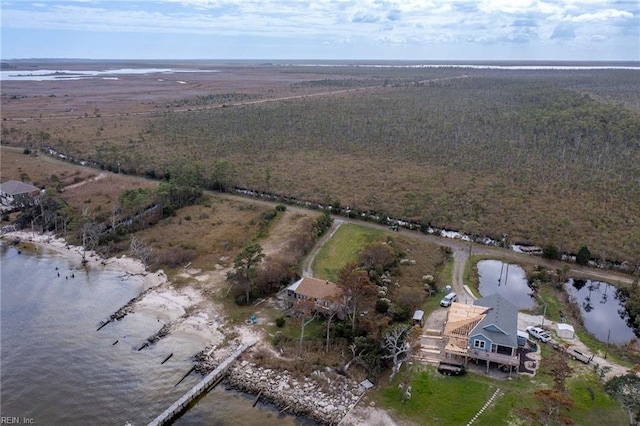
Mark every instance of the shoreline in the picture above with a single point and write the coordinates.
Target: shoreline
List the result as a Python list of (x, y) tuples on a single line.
[(325, 397), (184, 311)]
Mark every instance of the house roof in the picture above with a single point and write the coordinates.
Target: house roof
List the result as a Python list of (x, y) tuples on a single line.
[(15, 187), (315, 288), (461, 318), (500, 323)]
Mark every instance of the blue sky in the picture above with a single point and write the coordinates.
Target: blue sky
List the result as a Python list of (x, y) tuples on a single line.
[(323, 29)]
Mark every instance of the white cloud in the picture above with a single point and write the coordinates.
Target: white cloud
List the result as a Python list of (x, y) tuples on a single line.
[(603, 15), (402, 22)]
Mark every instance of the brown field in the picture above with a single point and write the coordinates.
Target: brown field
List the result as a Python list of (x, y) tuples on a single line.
[(339, 135), (39, 169)]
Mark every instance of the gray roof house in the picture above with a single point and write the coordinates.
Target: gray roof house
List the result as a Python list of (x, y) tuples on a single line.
[(486, 330), (497, 333), (12, 188)]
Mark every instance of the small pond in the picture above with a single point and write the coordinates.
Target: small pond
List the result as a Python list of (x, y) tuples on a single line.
[(601, 310), (508, 280)]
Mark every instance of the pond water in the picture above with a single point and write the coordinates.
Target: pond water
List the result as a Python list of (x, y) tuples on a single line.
[(601, 310), (508, 280)]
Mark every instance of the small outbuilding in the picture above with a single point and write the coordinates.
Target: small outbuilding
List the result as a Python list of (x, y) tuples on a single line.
[(522, 338), (418, 318), (565, 331)]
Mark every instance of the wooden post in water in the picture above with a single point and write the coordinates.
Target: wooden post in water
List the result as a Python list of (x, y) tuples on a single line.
[(257, 399)]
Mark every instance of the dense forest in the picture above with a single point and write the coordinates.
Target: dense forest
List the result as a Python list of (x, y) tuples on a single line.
[(521, 157), (542, 156)]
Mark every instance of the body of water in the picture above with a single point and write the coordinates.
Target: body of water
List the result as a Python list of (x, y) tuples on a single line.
[(602, 313), (508, 280), (110, 74), (58, 370)]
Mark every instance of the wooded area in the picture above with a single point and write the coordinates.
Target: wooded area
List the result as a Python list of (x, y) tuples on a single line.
[(546, 157)]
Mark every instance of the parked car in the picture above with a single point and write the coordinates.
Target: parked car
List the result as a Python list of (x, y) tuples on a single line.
[(580, 355), (451, 369), (449, 299), (539, 334)]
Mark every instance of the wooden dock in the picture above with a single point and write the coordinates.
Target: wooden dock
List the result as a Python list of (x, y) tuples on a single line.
[(177, 407)]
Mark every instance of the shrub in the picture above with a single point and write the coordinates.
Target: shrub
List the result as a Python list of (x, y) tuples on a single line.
[(174, 257), (583, 256), (281, 208), (280, 321), (382, 306), (550, 252)]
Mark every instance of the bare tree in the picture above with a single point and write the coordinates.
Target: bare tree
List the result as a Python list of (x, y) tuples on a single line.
[(396, 342), (335, 307), (353, 347), (91, 231), (141, 250), (305, 312)]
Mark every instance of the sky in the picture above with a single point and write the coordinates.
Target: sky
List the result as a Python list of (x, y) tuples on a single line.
[(604, 30)]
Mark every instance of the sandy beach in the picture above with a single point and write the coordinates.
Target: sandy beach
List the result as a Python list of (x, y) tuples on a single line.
[(185, 310)]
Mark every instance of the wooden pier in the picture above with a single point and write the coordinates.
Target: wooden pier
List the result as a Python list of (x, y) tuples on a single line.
[(177, 407)]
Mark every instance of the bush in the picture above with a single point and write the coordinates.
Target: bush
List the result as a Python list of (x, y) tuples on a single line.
[(174, 257), (280, 321), (382, 306), (583, 256), (551, 252), (281, 208)]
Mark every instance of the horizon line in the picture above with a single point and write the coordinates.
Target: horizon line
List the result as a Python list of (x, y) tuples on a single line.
[(326, 60)]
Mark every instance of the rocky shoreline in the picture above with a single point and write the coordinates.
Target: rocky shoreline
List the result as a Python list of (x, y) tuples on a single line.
[(324, 397)]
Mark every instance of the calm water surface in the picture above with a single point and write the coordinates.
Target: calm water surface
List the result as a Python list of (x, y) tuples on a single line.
[(57, 370), (508, 280), (601, 311)]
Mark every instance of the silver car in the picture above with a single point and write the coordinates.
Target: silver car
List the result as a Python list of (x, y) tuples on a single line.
[(539, 334)]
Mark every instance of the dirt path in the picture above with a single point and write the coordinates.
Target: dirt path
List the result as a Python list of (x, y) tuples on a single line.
[(307, 271)]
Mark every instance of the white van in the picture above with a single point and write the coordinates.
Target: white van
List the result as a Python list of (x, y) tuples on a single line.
[(449, 299)]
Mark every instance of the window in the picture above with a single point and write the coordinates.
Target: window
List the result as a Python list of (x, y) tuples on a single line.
[(478, 344)]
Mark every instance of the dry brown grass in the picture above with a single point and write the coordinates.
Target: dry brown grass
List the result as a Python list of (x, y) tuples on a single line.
[(100, 194), (39, 169), (430, 260), (216, 228)]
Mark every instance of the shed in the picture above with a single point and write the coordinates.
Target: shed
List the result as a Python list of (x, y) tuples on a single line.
[(418, 318), (565, 331), (522, 338)]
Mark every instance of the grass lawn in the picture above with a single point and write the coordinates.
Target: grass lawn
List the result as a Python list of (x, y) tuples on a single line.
[(437, 399), (343, 248), (444, 400)]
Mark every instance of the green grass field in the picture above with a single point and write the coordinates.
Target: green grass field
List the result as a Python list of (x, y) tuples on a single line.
[(343, 248), (445, 400)]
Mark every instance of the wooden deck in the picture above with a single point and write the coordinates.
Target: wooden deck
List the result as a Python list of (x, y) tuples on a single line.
[(204, 384), (494, 357)]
